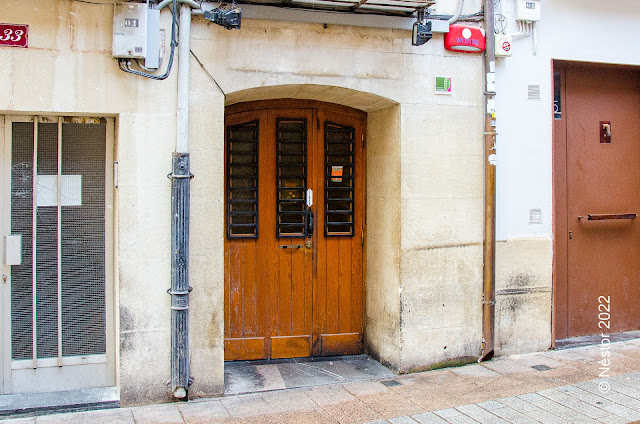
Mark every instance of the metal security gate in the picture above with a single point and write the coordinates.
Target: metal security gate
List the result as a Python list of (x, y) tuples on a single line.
[(58, 253)]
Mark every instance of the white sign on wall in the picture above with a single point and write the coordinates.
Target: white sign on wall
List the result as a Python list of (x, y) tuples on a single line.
[(47, 190)]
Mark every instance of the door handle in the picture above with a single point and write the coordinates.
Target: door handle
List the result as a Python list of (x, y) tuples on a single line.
[(605, 216), (309, 219)]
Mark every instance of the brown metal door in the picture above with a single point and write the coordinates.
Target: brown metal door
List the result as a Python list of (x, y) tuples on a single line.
[(293, 285), (602, 109)]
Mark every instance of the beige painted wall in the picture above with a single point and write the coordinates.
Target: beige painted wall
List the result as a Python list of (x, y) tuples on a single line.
[(441, 238), (382, 314), (424, 207), (523, 295), (424, 211)]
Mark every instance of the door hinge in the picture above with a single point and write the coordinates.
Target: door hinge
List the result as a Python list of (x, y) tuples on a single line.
[(362, 238)]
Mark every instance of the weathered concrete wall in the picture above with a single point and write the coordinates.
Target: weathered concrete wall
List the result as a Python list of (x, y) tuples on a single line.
[(523, 295), (68, 69), (441, 247), (382, 315), (436, 240), (424, 223)]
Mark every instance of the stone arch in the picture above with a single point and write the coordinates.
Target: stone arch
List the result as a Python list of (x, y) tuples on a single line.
[(361, 100), (383, 210)]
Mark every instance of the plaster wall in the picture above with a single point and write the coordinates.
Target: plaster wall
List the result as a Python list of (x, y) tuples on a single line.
[(424, 193), (67, 70), (588, 32), (424, 189), (441, 234), (382, 315)]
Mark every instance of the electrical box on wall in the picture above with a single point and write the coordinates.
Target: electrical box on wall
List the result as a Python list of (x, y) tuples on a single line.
[(528, 10), (503, 45), (136, 31)]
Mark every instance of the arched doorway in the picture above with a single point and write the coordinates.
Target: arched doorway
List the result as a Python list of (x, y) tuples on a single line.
[(294, 227)]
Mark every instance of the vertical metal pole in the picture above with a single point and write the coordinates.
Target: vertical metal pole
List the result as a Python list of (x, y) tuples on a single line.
[(180, 203), (489, 279), (34, 230), (180, 196), (59, 236)]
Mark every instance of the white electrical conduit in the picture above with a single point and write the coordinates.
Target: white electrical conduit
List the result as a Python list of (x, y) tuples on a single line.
[(191, 3), (182, 140), (524, 29), (535, 38), (453, 18)]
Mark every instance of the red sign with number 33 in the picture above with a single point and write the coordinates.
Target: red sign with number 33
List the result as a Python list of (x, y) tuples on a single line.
[(14, 35)]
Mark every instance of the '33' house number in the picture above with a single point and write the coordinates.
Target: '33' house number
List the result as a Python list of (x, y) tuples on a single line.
[(14, 35)]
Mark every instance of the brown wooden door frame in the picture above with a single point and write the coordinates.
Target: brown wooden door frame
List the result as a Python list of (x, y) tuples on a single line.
[(560, 248), (323, 339), (561, 224)]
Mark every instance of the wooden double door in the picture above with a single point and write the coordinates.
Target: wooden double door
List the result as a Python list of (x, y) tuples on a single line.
[(597, 196), (294, 230)]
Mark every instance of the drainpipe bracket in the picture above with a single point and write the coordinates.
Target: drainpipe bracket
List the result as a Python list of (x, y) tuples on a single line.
[(173, 176)]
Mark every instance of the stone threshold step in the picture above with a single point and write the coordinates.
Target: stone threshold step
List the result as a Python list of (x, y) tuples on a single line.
[(596, 339), (33, 404)]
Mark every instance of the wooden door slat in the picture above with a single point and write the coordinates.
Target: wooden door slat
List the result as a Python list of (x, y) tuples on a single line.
[(344, 285), (284, 291), (249, 298), (235, 290), (297, 291)]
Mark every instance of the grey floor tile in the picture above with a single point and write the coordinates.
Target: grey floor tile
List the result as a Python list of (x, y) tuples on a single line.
[(512, 416), (157, 414), (428, 418), (31, 420), (402, 420), (447, 413), (545, 417), (481, 415), (249, 378), (462, 419), (203, 410), (531, 397), (573, 403), (624, 412), (611, 395), (475, 371), (490, 404), (564, 412), (586, 396), (289, 400), (110, 416), (68, 418), (613, 419), (517, 404), (328, 395), (506, 367), (627, 381), (624, 389), (365, 388), (246, 406)]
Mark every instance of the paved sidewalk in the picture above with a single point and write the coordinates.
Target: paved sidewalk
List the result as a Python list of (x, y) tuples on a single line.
[(550, 387)]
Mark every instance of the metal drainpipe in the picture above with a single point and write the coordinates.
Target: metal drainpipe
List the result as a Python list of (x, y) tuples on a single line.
[(489, 278), (180, 204)]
